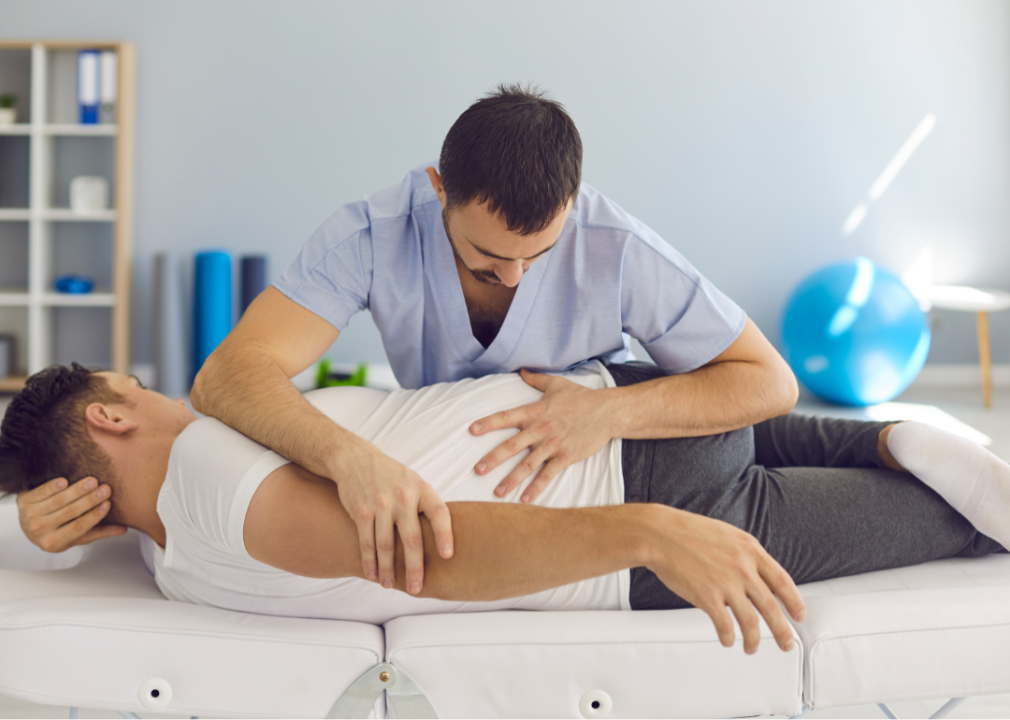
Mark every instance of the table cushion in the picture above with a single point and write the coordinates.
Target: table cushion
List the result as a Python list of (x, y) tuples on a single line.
[(89, 635), (937, 630), (665, 663)]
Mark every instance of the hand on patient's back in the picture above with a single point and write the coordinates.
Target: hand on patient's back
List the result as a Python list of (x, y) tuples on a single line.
[(564, 427), (380, 493), (56, 516), (720, 568)]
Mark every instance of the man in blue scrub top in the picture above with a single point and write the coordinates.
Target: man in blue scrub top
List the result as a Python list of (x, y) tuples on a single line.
[(497, 259)]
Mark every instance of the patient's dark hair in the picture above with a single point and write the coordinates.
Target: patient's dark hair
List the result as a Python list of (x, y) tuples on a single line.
[(518, 151), (44, 435)]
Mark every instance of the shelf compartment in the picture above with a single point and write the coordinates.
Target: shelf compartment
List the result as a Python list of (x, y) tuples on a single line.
[(73, 156), (16, 77), (14, 321), (13, 256), (83, 249), (14, 171)]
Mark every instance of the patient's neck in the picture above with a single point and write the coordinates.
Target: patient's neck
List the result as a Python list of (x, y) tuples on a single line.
[(140, 463)]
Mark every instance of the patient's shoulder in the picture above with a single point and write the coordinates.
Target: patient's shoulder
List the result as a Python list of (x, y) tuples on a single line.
[(208, 442), (213, 470)]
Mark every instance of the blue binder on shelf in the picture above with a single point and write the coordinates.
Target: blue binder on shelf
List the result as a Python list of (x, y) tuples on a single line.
[(87, 86)]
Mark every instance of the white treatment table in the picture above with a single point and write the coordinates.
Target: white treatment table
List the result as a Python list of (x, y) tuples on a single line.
[(94, 632)]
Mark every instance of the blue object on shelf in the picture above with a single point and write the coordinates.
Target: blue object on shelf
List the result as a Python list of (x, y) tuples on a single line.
[(212, 303), (854, 334), (87, 86), (74, 284)]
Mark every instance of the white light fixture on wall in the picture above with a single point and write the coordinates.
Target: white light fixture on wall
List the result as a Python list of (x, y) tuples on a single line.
[(890, 172)]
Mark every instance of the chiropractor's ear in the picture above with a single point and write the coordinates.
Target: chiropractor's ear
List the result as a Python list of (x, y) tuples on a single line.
[(436, 183), (108, 419)]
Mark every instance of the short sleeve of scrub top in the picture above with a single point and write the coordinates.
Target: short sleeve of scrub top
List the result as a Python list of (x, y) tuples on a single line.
[(607, 279)]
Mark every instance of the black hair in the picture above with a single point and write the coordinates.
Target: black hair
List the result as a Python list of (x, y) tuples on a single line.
[(43, 434), (516, 150)]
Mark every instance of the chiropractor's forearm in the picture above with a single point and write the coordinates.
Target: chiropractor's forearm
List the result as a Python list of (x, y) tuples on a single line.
[(747, 383), (716, 398), (247, 390), (505, 550)]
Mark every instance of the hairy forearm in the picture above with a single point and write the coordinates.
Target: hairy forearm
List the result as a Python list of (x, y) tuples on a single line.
[(504, 550), (713, 399), (247, 390)]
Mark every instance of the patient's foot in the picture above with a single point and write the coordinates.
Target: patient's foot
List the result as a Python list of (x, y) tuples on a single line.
[(975, 482), (885, 452)]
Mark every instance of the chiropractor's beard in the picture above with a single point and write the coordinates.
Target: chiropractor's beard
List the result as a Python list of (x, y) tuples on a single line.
[(488, 277)]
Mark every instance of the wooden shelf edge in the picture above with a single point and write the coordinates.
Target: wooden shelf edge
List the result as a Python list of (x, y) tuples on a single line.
[(13, 384)]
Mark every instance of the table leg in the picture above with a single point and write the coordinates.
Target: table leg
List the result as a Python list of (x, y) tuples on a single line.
[(984, 357)]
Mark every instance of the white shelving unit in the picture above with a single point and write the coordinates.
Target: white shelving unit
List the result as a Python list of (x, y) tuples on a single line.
[(44, 128)]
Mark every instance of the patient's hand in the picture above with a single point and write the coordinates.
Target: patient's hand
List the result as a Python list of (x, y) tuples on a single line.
[(567, 425), (57, 517), (715, 566)]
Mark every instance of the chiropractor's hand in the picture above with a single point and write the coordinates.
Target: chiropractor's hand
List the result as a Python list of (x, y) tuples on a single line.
[(720, 568), (56, 516), (380, 493), (567, 425)]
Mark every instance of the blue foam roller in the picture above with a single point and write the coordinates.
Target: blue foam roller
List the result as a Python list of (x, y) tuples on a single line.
[(212, 298), (254, 278)]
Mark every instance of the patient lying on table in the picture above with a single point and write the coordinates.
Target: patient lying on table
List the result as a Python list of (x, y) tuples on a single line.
[(234, 525)]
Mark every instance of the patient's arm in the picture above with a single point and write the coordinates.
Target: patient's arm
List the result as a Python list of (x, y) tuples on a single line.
[(297, 523)]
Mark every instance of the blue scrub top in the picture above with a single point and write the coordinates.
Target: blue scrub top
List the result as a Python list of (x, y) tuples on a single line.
[(607, 278)]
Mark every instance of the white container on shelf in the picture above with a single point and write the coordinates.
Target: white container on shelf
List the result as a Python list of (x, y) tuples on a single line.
[(88, 194), (8, 116)]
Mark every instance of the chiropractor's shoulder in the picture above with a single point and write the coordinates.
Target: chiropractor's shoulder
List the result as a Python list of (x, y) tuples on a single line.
[(274, 329)]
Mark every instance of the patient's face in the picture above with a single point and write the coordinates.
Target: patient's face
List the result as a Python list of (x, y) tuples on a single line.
[(156, 413)]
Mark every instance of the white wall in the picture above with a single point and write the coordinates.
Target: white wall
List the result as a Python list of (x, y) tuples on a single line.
[(743, 132)]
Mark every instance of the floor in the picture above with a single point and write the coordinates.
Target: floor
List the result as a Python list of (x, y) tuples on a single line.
[(958, 410)]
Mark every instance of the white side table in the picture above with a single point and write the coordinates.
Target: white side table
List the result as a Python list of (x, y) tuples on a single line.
[(981, 302)]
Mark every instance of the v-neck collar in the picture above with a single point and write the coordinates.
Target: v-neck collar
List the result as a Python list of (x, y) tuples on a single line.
[(453, 304)]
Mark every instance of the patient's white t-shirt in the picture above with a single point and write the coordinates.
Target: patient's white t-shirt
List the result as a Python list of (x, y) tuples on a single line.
[(214, 472)]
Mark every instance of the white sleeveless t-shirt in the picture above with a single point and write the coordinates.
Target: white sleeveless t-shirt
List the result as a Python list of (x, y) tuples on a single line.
[(214, 472)]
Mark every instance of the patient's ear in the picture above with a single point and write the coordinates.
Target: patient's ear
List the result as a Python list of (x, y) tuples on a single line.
[(107, 419)]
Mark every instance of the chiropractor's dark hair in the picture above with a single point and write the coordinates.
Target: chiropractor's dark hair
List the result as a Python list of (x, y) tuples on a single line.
[(516, 150), (44, 435)]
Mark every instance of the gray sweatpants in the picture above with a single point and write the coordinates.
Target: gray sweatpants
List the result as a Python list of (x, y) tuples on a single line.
[(811, 490)]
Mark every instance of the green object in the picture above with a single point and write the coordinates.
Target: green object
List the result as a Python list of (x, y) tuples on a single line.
[(8, 100), (326, 378)]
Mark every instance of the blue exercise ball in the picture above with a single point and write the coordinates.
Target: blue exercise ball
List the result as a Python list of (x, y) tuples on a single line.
[(854, 334)]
